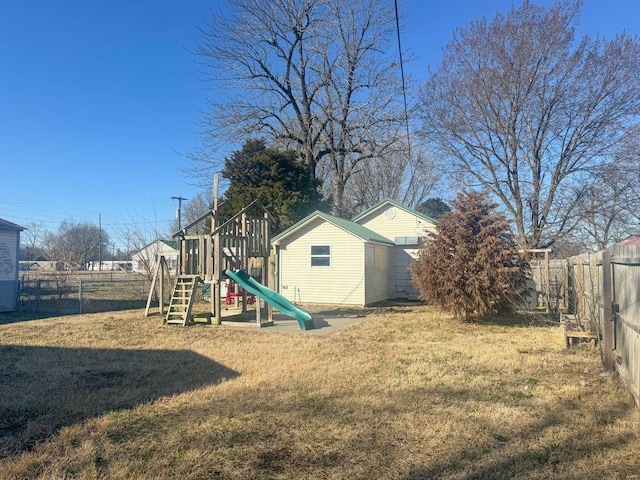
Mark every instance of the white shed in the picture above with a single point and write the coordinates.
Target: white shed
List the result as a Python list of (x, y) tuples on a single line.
[(145, 260), (325, 259), (9, 261)]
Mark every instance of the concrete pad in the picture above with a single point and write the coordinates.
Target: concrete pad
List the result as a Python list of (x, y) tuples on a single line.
[(324, 324)]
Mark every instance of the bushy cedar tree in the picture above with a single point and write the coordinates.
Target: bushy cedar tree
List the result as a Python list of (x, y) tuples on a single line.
[(434, 207), (283, 184), (470, 266)]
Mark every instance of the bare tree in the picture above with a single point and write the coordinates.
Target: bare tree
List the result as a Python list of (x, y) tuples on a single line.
[(73, 247), (407, 178), (76, 244), (628, 163), (138, 233), (604, 218), (519, 107), (609, 204), (316, 76), (34, 235)]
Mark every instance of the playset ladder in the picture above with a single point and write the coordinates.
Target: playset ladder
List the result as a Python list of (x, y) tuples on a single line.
[(182, 299)]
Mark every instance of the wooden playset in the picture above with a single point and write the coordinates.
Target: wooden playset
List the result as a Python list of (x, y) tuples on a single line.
[(240, 243)]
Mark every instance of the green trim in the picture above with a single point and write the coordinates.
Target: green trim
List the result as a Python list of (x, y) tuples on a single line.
[(353, 228), (395, 204), (169, 243)]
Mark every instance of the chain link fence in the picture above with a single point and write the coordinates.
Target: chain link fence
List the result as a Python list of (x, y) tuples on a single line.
[(67, 293)]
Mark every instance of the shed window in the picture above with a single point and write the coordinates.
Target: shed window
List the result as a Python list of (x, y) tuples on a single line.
[(377, 256), (320, 255)]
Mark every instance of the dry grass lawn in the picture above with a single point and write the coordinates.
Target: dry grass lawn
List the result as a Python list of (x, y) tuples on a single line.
[(405, 394)]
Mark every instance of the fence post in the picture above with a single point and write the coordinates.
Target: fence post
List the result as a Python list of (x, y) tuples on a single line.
[(80, 296), (607, 320)]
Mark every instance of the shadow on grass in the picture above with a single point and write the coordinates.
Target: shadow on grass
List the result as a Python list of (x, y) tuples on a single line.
[(509, 452), (50, 309), (43, 389), (519, 319), (387, 307), (491, 448)]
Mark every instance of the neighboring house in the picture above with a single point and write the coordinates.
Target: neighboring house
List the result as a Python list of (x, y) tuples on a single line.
[(9, 261), (325, 259), (145, 260)]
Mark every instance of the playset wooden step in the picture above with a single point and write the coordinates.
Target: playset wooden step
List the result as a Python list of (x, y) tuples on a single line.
[(182, 299)]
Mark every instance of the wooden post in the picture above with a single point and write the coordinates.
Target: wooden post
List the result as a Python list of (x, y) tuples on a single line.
[(607, 300), (80, 295), (153, 286), (161, 296), (209, 258), (581, 286), (217, 271), (258, 312), (548, 279), (202, 256), (242, 254), (215, 193)]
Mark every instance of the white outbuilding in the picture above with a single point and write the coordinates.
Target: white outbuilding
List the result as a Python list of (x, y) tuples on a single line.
[(145, 260), (9, 265), (325, 259)]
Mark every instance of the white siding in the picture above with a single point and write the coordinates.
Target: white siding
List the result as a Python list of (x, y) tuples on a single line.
[(391, 222), (8, 270), (341, 283), (379, 267), (404, 287), (148, 257)]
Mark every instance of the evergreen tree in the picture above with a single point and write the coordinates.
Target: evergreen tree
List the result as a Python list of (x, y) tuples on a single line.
[(433, 207), (276, 178), (470, 266)]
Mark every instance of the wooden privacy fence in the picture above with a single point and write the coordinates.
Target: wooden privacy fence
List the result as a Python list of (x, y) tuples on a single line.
[(604, 289)]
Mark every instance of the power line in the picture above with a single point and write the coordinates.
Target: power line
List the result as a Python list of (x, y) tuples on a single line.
[(404, 89)]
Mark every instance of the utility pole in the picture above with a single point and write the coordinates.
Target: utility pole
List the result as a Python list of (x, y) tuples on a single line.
[(215, 192), (99, 241), (179, 199)]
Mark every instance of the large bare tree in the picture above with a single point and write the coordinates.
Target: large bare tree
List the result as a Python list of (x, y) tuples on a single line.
[(407, 178), (316, 76), (523, 109), (76, 244)]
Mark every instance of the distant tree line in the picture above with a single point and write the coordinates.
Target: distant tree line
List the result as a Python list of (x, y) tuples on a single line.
[(74, 244)]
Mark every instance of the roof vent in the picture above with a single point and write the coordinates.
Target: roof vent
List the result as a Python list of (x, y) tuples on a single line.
[(390, 213)]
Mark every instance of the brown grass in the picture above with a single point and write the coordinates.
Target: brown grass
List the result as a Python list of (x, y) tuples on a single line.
[(405, 394)]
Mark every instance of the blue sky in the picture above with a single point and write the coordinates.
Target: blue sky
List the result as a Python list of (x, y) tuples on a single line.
[(99, 100)]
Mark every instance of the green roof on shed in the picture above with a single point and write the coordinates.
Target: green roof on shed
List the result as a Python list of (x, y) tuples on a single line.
[(347, 225)]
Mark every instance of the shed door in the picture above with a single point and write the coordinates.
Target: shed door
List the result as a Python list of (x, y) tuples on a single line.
[(404, 286)]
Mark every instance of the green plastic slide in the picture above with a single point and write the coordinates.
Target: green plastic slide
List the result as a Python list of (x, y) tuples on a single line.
[(274, 299)]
